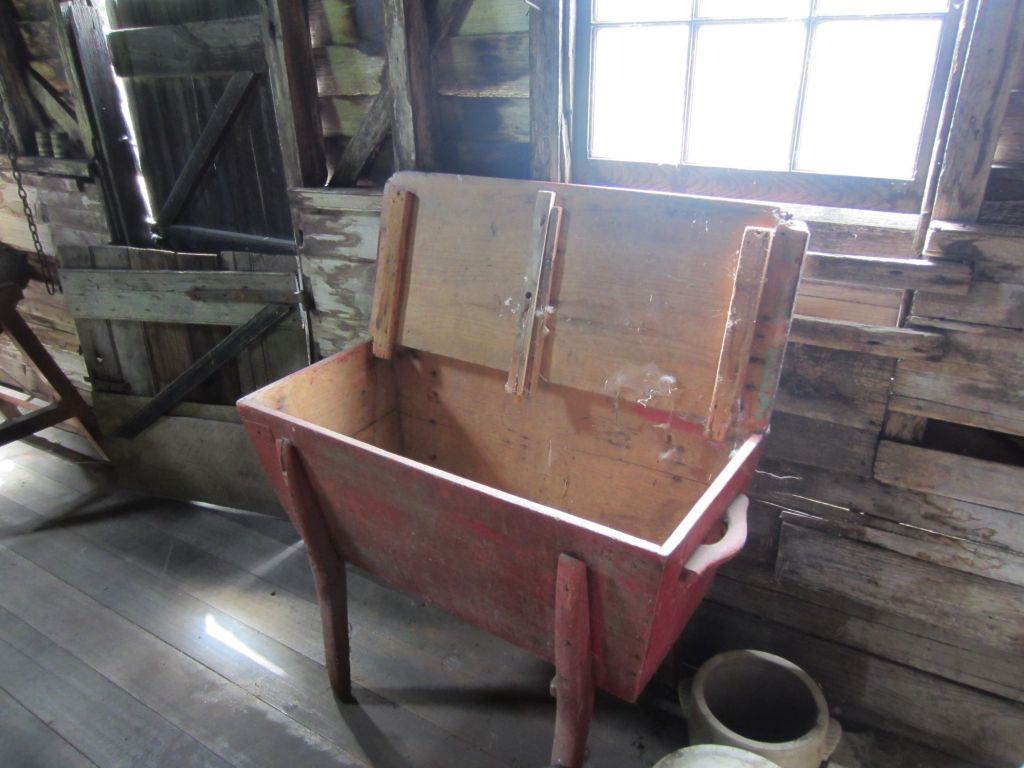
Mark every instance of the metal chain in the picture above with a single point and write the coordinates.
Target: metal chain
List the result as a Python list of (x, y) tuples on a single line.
[(7, 137)]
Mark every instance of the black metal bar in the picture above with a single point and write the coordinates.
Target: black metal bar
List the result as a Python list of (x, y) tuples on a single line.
[(202, 369)]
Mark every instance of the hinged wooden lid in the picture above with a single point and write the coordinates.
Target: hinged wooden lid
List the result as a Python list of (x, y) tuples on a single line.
[(653, 297)]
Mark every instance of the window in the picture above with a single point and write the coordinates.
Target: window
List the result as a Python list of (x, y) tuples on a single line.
[(775, 97)]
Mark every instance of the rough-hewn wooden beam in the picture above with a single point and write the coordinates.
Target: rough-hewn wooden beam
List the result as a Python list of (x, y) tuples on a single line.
[(908, 274), (551, 61), (990, 72), (902, 343), (109, 123), (188, 50), (377, 121), (410, 75)]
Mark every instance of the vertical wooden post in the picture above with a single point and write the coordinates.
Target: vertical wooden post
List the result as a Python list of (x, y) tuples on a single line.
[(328, 567), (990, 72), (411, 78), (109, 123), (552, 31), (771, 330), (574, 677), (293, 84)]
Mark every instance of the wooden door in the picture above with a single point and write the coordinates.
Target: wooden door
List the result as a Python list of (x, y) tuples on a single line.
[(223, 98)]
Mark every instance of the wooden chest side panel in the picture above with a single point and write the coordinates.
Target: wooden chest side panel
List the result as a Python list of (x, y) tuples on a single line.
[(640, 289), (485, 558), (633, 469), (348, 393)]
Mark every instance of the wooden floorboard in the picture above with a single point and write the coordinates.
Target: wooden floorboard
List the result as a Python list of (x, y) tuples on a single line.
[(92, 714), (29, 741), (233, 724), (189, 635)]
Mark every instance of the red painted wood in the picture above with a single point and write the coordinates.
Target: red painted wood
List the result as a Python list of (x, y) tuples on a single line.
[(487, 556), (328, 569), (574, 680)]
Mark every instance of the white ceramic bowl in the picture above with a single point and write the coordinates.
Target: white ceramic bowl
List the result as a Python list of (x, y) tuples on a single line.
[(714, 756)]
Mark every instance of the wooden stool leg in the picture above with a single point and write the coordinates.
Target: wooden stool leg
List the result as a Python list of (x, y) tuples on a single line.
[(574, 679), (328, 567)]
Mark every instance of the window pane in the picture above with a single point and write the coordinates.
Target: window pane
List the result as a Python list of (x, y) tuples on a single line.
[(638, 86), (641, 10), (753, 9), (746, 82), (875, 7), (867, 92)]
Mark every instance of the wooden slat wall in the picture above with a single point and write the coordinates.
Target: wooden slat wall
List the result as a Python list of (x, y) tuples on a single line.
[(482, 78), (67, 210)]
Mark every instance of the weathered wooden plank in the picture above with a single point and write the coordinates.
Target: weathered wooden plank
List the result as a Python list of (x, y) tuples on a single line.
[(163, 296), (410, 79), (974, 383), (292, 72), (281, 350), (996, 252), (817, 491), (54, 107), (484, 65), (842, 621), (188, 50), (202, 153), (976, 607), (822, 443), (391, 255), (739, 331), (486, 119), (495, 16), (343, 70), (32, 741), (552, 59), (130, 221), (340, 234), (488, 158), (854, 304), (1010, 147), (903, 343), (868, 689), (365, 141), (102, 723), (362, 200), (951, 475), (839, 386), (946, 277), (968, 557), (202, 369), (592, 344), (998, 304), (105, 640), (989, 73), (342, 115)]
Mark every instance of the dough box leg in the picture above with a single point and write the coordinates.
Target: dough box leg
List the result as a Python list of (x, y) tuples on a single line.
[(328, 567), (573, 685)]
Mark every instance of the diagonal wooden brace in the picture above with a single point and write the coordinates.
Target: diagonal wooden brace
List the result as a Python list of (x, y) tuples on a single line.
[(70, 403), (203, 368)]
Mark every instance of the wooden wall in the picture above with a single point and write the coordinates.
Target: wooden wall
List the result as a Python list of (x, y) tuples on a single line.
[(67, 209), (887, 538), (481, 75), (881, 558)]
